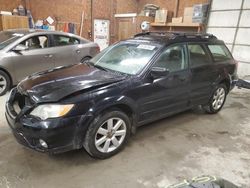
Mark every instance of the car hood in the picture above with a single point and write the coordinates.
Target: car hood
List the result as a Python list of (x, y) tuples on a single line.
[(56, 84)]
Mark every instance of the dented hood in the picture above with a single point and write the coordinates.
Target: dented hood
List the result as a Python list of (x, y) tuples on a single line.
[(56, 84)]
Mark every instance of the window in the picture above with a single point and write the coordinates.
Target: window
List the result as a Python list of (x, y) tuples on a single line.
[(61, 40), (36, 42), (219, 52), (129, 58), (197, 55), (173, 59), (8, 37)]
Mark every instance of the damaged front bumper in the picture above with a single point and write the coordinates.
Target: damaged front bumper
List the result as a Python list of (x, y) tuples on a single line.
[(59, 134)]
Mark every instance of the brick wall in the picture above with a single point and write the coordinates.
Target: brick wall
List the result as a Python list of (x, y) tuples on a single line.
[(170, 4), (70, 10), (189, 3), (63, 11), (127, 6), (9, 5), (166, 4)]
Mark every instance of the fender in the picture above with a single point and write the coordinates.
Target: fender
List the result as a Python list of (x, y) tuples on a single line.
[(116, 101), (224, 77), (113, 101)]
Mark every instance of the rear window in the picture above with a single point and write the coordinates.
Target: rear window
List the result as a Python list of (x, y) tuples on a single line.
[(197, 55), (219, 52), (61, 40)]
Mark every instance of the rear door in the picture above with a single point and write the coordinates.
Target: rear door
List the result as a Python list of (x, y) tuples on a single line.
[(167, 94), (204, 73), (37, 58), (65, 50)]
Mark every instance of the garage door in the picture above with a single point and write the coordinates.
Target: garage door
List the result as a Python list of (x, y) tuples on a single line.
[(229, 21)]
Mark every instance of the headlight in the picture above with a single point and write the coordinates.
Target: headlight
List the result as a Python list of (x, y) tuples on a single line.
[(51, 110)]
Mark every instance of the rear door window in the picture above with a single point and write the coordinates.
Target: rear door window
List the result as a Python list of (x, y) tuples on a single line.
[(197, 55), (61, 40), (219, 52)]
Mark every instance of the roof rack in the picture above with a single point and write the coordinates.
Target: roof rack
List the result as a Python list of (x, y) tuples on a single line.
[(174, 35)]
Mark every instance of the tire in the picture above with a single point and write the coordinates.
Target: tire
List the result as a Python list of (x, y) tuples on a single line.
[(217, 100), (5, 83), (100, 141), (83, 60)]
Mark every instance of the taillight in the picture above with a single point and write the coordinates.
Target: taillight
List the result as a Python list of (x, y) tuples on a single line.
[(236, 66), (236, 63)]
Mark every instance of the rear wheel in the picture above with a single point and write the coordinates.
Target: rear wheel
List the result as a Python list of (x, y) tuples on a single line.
[(217, 100), (107, 134), (4, 83)]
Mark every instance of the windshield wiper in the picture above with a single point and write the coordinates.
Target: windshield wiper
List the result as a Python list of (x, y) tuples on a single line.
[(102, 68), (89, 63)]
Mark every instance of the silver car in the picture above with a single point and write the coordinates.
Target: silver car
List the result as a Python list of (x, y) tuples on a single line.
[(24, 52)]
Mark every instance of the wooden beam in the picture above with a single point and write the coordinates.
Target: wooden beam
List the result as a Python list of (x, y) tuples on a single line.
[(176, 8)]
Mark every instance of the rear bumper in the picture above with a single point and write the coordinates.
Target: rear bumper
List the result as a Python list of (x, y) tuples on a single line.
[(60, 134), (243, 83), (233, 81)]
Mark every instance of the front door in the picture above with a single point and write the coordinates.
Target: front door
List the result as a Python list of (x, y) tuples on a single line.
[(167, 94), (35, 59)]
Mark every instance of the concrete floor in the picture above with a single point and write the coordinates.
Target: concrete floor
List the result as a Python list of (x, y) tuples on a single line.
[(160, 154)]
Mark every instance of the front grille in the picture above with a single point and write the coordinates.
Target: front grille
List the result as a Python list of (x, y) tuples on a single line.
[(21, 101)]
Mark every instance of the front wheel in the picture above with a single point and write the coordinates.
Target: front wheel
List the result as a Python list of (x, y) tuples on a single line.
[(107, 134), (4, 83), (217, 100)]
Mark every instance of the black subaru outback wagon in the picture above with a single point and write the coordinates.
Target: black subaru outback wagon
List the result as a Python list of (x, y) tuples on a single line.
[(96, 105)]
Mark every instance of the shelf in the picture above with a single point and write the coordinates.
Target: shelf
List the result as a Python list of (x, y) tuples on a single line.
[(197, 26), (176, 25)]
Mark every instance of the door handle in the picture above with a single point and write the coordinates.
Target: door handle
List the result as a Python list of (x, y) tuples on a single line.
[(78, 51), (48, 56)]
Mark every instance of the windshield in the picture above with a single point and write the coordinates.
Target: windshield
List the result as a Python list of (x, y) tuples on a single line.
[(128, 58), (7, 38)]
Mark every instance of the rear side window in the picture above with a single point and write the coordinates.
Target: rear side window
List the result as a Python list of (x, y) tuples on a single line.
[(61, 40), (197, 55), (219, 52)]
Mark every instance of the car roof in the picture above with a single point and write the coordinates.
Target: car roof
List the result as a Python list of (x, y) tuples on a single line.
[(41, 31), (174, 37)]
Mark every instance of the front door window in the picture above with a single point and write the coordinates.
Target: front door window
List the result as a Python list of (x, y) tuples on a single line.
[(172, 59)]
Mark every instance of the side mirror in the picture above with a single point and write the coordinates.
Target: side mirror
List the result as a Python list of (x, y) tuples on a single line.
[(20, 48), (157, 72)]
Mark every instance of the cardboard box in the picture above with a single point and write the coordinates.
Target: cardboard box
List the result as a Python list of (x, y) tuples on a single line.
[(188, 15), (188, 19), (177, 20), (161, 16), (188, 11)]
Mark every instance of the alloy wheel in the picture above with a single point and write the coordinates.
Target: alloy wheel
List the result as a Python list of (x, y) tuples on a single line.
[(110, 135), (3, 83), (219, 98)]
